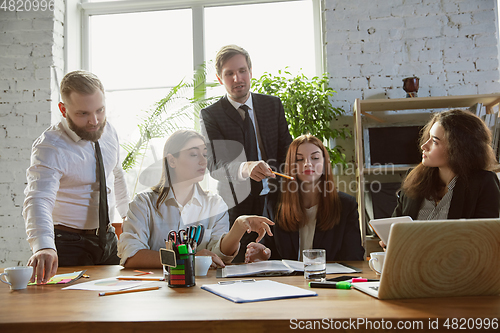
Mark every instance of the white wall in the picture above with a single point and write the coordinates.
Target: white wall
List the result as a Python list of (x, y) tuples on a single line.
[(451, 45), (31, 49)]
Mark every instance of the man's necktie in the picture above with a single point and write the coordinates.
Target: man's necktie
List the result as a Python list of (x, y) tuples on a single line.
[(251, 146), (103, 197)]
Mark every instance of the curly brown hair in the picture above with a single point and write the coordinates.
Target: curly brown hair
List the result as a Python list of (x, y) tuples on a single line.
[(468, 150)]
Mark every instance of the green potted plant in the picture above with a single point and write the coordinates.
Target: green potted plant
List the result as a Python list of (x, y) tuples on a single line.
[(307, 105)]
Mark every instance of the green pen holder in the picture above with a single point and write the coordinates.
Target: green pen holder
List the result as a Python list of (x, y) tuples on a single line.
[(182, 275)]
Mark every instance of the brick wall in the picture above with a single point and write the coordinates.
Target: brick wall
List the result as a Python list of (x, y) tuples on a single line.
[(451, 45), (31, 52)]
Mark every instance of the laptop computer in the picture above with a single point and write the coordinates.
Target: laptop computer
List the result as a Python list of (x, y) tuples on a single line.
[(439, 259)]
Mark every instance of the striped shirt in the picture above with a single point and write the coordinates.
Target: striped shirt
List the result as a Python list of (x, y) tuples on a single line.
[(432, 211)]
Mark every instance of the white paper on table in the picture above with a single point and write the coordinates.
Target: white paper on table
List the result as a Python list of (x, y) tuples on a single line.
[(108, 284)]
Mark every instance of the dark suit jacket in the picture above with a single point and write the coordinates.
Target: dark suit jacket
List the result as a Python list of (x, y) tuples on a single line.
[(342, 242), (222, 126), (478, 198)]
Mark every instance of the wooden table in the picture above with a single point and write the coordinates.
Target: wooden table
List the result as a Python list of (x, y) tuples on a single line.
[(48, 308)]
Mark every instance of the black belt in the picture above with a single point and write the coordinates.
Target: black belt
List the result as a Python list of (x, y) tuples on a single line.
[(76, 231)]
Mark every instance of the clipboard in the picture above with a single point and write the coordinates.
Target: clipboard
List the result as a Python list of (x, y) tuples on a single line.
[(245, 291)]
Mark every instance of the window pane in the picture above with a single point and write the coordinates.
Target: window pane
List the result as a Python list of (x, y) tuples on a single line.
[(147, 49), (275, 34)]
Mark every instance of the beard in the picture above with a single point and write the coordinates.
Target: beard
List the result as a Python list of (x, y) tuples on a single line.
[(82, 131)]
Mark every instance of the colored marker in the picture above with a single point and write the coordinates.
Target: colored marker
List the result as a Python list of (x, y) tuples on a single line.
[(332, 285), (354, 280)]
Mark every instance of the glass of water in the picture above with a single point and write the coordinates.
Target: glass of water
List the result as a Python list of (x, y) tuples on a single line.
[(314, 263)]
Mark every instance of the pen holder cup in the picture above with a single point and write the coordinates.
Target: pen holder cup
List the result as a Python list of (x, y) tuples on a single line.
[(181, 275)]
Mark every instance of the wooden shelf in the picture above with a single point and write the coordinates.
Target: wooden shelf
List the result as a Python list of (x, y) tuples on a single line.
[(388, 168), (364, 109), (428, 102)]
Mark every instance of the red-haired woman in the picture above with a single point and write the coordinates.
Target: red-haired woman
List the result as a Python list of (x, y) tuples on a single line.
[(311, 213)]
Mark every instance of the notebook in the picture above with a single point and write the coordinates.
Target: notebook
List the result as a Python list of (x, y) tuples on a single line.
[(383, 226), (439, 259), (243, 291), (277, 268)]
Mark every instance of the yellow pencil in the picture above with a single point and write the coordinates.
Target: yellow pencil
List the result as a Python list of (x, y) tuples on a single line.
[(141, 278), (128, 291), (282, 175)]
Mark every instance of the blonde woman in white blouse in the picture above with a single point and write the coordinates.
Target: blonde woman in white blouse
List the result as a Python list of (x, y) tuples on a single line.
[(178, 202)]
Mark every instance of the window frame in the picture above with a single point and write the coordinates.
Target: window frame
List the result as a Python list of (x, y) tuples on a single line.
[(77, 25)]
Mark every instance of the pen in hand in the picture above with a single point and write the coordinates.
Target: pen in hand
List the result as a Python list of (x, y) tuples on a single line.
[(282, 175)]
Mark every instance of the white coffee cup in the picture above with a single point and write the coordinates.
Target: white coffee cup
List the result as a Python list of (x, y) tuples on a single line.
[(17, 277), (201, 265), (376, 262)]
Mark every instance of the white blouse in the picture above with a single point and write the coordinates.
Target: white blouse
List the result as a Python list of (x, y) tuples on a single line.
[(147, 227), (306, 233)]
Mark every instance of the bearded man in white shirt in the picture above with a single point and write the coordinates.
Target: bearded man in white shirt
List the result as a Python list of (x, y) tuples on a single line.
[(61, 209)]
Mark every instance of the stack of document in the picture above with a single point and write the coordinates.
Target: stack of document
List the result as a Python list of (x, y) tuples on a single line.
[(278, 267)]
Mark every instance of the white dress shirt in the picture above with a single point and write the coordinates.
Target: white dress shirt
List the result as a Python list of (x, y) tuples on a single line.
[(62, 184), (147, 227), (251, 113)]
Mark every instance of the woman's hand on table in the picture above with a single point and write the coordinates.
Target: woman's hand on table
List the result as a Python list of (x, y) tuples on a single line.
[(256, 252)]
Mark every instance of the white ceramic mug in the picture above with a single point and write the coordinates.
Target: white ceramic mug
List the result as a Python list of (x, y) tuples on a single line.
[(376, 262), (17, 277), (201, 265)]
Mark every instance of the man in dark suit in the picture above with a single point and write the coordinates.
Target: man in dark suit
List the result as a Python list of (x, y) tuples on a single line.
[(247, 137)]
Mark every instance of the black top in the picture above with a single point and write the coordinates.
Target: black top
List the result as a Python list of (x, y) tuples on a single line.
[(478, 198), (342, 242), (223, 128)]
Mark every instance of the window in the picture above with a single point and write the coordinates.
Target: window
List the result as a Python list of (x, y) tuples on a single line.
[(141, 49)]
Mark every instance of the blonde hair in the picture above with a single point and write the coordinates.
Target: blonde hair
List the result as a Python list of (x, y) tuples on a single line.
[(173, 146), (226, 53), (81, 82)]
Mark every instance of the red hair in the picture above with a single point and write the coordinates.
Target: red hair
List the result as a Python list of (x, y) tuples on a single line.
[(290, 215)]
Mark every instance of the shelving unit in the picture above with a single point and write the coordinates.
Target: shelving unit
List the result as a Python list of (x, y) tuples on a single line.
[(364, 109)]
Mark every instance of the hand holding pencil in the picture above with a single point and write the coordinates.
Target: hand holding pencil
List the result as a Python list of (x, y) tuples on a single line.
[(260, 170), (282, 175)]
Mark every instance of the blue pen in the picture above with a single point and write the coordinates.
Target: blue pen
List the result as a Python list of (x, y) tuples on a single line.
[(192, 231), (198, 233)]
